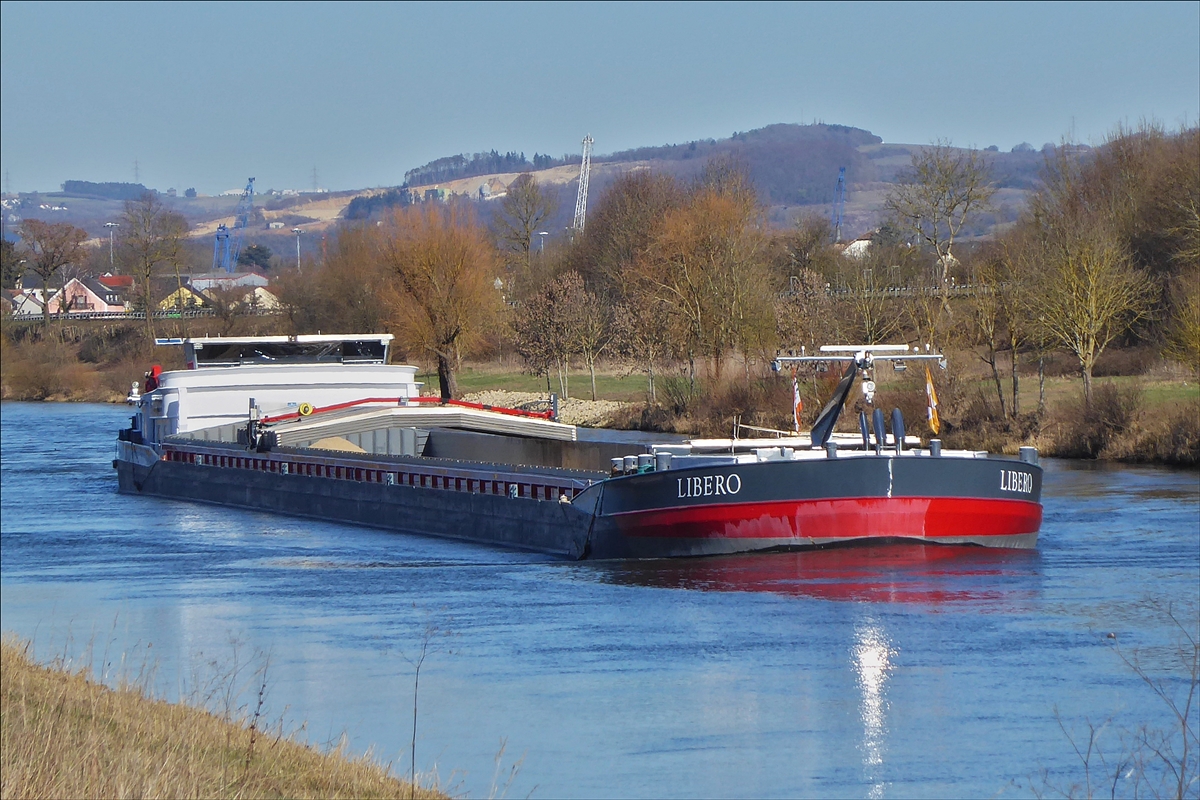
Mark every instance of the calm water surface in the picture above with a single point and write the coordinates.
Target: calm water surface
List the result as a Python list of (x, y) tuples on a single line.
[(897, 671)]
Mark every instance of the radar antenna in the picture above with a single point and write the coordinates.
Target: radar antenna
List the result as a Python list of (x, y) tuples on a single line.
[(585, 169)]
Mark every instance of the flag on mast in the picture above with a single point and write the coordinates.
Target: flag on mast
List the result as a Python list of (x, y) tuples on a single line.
[(797, 404), (935, 424)]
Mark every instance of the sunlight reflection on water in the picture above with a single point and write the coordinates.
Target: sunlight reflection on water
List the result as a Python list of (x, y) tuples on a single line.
[(872, 661)]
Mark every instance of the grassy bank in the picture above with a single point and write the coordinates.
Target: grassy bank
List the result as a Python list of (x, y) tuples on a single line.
[(64, 735), (1146, 410)]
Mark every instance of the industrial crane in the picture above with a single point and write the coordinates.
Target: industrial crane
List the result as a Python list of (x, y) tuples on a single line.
[(228, 245), (584, 171), (839, 205)]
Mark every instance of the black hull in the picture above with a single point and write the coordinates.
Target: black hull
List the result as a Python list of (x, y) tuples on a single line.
[(693, 511), (539, 525)]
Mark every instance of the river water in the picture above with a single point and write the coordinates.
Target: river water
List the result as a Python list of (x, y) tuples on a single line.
[(875, 672)]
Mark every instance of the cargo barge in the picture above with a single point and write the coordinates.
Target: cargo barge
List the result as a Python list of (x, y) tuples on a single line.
[(323, 427)]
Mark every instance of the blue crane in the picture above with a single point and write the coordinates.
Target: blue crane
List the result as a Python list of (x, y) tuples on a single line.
[(839, 205), (228, 245)]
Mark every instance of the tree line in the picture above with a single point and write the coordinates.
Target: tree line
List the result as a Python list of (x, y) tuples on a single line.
[(674, 272), (688, 275), (454, 167)]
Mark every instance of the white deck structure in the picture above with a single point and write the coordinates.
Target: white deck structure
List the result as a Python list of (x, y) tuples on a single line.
[(280, 373)]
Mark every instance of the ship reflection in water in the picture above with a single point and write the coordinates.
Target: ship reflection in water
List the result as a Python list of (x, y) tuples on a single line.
[(869, 577), (879, 573)]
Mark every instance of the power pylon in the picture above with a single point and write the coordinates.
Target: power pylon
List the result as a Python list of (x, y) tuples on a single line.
[(585, 169)]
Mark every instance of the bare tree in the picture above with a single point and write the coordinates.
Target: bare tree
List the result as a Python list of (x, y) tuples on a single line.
[(1089, 294), (988, 316), (1151, 761), (620, 229), (49, 248), (151, 238), (345, 292), (707, 264), (936, 198), (1183, 331), (524, 209), (534, 334), (642, 333), (593, 331), (804, 313), (870, 312), (444, 269), (548, 324)]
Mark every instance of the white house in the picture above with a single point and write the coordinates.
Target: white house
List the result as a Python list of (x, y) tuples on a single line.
[(859, 248), (26, 303), (261, 299)]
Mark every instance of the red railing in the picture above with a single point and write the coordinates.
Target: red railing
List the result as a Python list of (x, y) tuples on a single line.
[(401, 401)]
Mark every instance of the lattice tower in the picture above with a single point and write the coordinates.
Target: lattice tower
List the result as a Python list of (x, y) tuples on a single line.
[(839, 205), (585, 169)]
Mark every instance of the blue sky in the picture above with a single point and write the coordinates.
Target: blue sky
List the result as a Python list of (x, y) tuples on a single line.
[(205, 95)]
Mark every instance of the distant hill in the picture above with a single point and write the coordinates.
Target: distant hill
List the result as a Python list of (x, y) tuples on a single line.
[(789, 164), (794, 168)]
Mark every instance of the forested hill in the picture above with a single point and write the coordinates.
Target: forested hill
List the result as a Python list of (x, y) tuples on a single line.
[(789, 164), (450, 168)]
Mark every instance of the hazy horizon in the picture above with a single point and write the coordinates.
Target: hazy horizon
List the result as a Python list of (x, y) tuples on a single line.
[(204, 95)]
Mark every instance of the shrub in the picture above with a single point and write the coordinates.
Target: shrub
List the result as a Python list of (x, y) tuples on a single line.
[(1125, 361), (1169, 438), (765, 402), (677, 393), (1179, 442), (1088, 430), (644, 418), (44, 369)]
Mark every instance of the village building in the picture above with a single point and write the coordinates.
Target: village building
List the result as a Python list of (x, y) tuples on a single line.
[(123, 282), (25, 303), (261, 299), (205, 281), (860, 247), (178, 295), (88, 295)]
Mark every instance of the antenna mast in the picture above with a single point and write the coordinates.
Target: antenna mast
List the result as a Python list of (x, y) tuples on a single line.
[(839, 205), (585, 169)]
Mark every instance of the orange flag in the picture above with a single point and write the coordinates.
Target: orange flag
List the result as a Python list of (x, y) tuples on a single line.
[(935, 424)]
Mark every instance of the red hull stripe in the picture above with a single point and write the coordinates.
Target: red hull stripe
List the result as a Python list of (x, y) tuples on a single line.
[(850, 518)]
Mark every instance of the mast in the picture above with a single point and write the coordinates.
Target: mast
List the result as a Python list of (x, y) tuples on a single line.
[(585, 169)]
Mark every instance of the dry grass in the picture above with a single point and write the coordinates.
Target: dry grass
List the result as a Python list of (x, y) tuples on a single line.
[(46, 370), (64, 735)]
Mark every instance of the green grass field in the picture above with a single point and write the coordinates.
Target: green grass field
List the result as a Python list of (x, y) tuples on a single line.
[(609, 385), (1065, 390), (632, 388)]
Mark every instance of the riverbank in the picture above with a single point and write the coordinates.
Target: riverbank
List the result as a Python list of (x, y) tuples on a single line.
[(1145, 410), (65, 735)]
